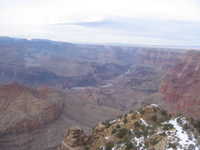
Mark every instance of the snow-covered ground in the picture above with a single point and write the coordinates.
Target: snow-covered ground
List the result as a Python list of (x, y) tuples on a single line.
[(180, 137)]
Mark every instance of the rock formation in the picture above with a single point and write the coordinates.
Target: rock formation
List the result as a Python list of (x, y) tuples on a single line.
[(23, 110), (75, 138), (180, 86), (150, 128)]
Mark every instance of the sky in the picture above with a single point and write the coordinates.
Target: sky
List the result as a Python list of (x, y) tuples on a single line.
[(57, 20)]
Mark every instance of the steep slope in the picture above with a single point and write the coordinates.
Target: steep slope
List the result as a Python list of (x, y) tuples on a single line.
[(23, 109), (35, 119), (180, 86), (150, 128)]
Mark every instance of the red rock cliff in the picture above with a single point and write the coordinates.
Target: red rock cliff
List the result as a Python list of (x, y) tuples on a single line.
[(23, 109), (181, 85)]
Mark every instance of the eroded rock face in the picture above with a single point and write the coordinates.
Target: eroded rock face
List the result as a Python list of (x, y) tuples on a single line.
[(181, 85), (24, 110)]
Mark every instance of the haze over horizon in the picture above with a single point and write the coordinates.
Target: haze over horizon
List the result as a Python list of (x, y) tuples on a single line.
[(149, 22)]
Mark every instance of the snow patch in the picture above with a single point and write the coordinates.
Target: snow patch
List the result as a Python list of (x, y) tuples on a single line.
[(144, 122), (180, 137)]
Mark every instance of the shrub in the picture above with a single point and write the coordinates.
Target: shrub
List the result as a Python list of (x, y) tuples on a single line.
[(109, 146), (164, 113), (162, 134), (172, 145), (86, 148), (196, 124), (130, 146), (138, 133), (154, 118), (186, 127), (151, 130), (137, 124), (145, 132), (122, 132), (154, 141), (168, 126), (125, 121), (107, 123), (142, 112), (114, 131), (118, 126)]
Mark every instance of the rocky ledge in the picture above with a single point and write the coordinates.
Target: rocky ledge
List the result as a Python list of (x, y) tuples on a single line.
[(150, 128)]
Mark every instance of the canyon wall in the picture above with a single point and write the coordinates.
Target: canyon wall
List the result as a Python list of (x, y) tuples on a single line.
[(64, 65), (181, 85)]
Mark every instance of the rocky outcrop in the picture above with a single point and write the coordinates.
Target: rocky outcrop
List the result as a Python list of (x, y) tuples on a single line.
[(75, 139), (180, 86), (150, 128)]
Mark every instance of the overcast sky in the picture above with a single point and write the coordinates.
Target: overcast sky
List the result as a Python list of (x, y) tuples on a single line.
[(30, 18)]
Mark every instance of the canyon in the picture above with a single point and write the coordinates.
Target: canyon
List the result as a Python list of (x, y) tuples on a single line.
[(65, 65), (47, 87)]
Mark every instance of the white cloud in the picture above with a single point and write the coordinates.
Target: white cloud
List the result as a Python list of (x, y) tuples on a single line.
[(31, 19), (55, 11)]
